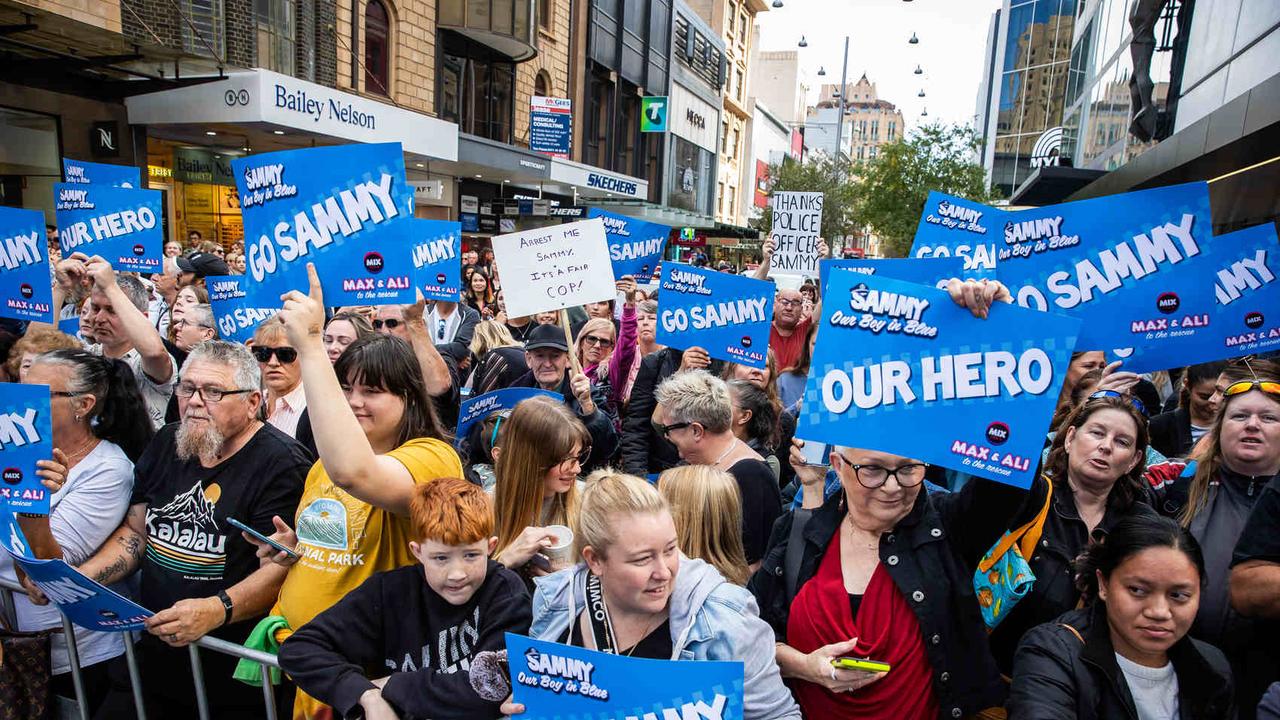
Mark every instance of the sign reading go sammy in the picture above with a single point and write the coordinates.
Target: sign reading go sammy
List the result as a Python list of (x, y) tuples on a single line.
[(345, 208), (727, 315), (900, 368), (120, 224)]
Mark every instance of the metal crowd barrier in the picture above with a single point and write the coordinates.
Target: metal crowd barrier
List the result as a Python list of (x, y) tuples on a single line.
[(267, 660)]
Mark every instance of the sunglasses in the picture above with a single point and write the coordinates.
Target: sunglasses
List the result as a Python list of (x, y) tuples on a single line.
[(391, 324), (1135, 402), (263, 353), (1244, 386), (593, 340), (666, 430)]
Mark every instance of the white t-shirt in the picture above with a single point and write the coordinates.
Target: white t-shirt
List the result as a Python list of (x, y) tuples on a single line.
[(1154, 690), (82, 515), (155, 395)]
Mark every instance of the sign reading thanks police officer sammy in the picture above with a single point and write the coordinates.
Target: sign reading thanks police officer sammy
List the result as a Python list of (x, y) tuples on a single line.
[(797, 222), (561, 682), (120, 224), (635, 246), (345, 208), (83, 172), (25, 289), (905, 370), (932, 271), (239, 306), (727, 315), (554, 267), (1245, 320), (954, 227), (437, 244), (26, 436)]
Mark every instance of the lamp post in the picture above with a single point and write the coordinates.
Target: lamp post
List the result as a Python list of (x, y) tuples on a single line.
[(844, 72)]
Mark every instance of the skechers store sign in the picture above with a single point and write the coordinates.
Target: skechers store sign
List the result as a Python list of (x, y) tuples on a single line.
[(612, 184), (318, 109)]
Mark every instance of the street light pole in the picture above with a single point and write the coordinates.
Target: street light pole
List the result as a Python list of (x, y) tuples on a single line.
[(844, 72)]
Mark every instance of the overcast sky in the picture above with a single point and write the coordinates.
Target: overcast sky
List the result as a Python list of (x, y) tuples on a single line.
[(951, 50)]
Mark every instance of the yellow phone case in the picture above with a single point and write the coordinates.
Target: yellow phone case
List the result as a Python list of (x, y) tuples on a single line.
[(856, 664)]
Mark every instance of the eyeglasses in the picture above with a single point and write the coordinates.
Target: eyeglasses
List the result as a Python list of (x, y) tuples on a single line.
[(264, 352), (874, 476), (581, 458), (1135, 402), (391, 324), (593, 340), (1244, 386), (183, 322), (64, 393), (210, 394), (786, 302), (666, 430)]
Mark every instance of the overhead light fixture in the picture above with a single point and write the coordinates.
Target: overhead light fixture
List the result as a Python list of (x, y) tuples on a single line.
[(210, 133), (777, 3), (921, 93), (246, 148), (803, 42), (478, 176), (924, 112), (278, 132), (919, 71), (418, 164), (821, 71), (914, 40)]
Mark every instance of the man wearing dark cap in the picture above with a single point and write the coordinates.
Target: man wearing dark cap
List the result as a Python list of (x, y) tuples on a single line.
[(547, 354), (199, 265)]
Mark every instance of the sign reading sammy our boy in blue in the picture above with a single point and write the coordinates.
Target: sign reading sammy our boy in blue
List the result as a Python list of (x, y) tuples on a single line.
[(25, 289), (239, 306), (635, 246), (727, 315), (932, 271), (905, 370), (561, 682), (954, 227), (26, 436), (345, 208), (84, 172), (475, 409), (120, 224), (1118, 263), (437, 245), (1245, 320)]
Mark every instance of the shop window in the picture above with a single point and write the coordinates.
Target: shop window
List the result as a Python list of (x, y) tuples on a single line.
[(377, 49), (204, 33), (275, 34)]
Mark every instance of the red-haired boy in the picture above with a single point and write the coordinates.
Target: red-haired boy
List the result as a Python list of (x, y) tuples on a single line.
[(399, 647)]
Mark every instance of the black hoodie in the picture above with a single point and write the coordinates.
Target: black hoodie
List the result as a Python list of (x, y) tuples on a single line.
[(395, 624)]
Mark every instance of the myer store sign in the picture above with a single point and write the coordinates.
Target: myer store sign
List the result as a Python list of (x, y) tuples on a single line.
[(261, 96)]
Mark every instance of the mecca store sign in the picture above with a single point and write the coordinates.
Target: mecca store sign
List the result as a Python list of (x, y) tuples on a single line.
[(261, 96)]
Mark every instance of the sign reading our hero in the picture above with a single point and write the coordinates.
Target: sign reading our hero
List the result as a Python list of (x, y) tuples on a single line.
[(635, 246), (25, 290), (906, 371), (797, 224), (26, 436), (437, 245), (727, 315), (555, 267), (120, 224), (345, 208), (555, 681), (1245, 275), (84, 172)]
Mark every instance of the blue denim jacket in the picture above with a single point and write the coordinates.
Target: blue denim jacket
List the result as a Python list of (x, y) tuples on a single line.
[(711, 619)]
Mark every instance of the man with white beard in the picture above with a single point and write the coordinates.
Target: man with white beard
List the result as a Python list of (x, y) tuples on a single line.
[(198, 573)]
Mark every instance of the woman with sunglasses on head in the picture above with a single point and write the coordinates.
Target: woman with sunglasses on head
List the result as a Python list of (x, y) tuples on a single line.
[(377, 437), (540, 451), (1126, 653), (606, 351), (1213, 494)]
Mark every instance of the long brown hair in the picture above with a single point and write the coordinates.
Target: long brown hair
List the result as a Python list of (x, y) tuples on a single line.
[(1208, 452), (706, 506), (389, 363), (1129, 487), (539, 434)]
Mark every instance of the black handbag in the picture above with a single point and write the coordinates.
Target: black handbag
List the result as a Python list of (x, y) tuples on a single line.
[(25, 673)]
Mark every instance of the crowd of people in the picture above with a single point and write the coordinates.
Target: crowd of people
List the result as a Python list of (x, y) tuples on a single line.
[(654, 503)]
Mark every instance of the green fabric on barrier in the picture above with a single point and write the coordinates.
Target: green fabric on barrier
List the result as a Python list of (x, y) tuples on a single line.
[(262, 638)]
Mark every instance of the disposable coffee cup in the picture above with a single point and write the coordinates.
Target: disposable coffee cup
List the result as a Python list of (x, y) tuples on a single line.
[(560, 552)]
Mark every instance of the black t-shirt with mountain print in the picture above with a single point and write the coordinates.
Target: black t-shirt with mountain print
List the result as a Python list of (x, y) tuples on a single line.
[(192, 551)]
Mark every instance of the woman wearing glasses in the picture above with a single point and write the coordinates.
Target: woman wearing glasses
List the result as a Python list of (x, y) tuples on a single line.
[(606, 353), (1212, 496), (539, 454)]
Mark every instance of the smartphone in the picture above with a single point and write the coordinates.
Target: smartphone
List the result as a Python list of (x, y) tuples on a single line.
[(541, 561), (816, 453), (858, 664), (262, 538)]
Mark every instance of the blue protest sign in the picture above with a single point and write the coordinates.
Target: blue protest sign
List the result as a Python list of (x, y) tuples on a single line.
[(70, 326), (84, 172), (437, 247), (561, 682), (25, 285), (26, 435), (239, 306), (344, 208), (954, 227), (1245, 320), (923, 271), (85, 602), (475, 409), (728, 315), (901, 368), (1117, 263), (635, 246), (120, 224)]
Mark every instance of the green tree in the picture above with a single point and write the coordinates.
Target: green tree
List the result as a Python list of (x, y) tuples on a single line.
[(816, 174), (893, 187)]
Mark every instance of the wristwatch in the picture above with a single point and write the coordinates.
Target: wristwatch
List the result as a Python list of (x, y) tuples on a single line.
[(227, 604)]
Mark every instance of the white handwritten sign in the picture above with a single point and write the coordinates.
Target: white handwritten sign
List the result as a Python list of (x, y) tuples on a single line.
[(797, 219), (554, 267)]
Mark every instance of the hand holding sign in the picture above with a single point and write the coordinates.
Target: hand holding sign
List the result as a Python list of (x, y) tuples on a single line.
[(53, 473), (978, 295), (303, 315)]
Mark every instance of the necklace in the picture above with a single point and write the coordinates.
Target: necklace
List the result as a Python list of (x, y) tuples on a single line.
[(854, 539), (727, 450), (652, 626), (79, 452)]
